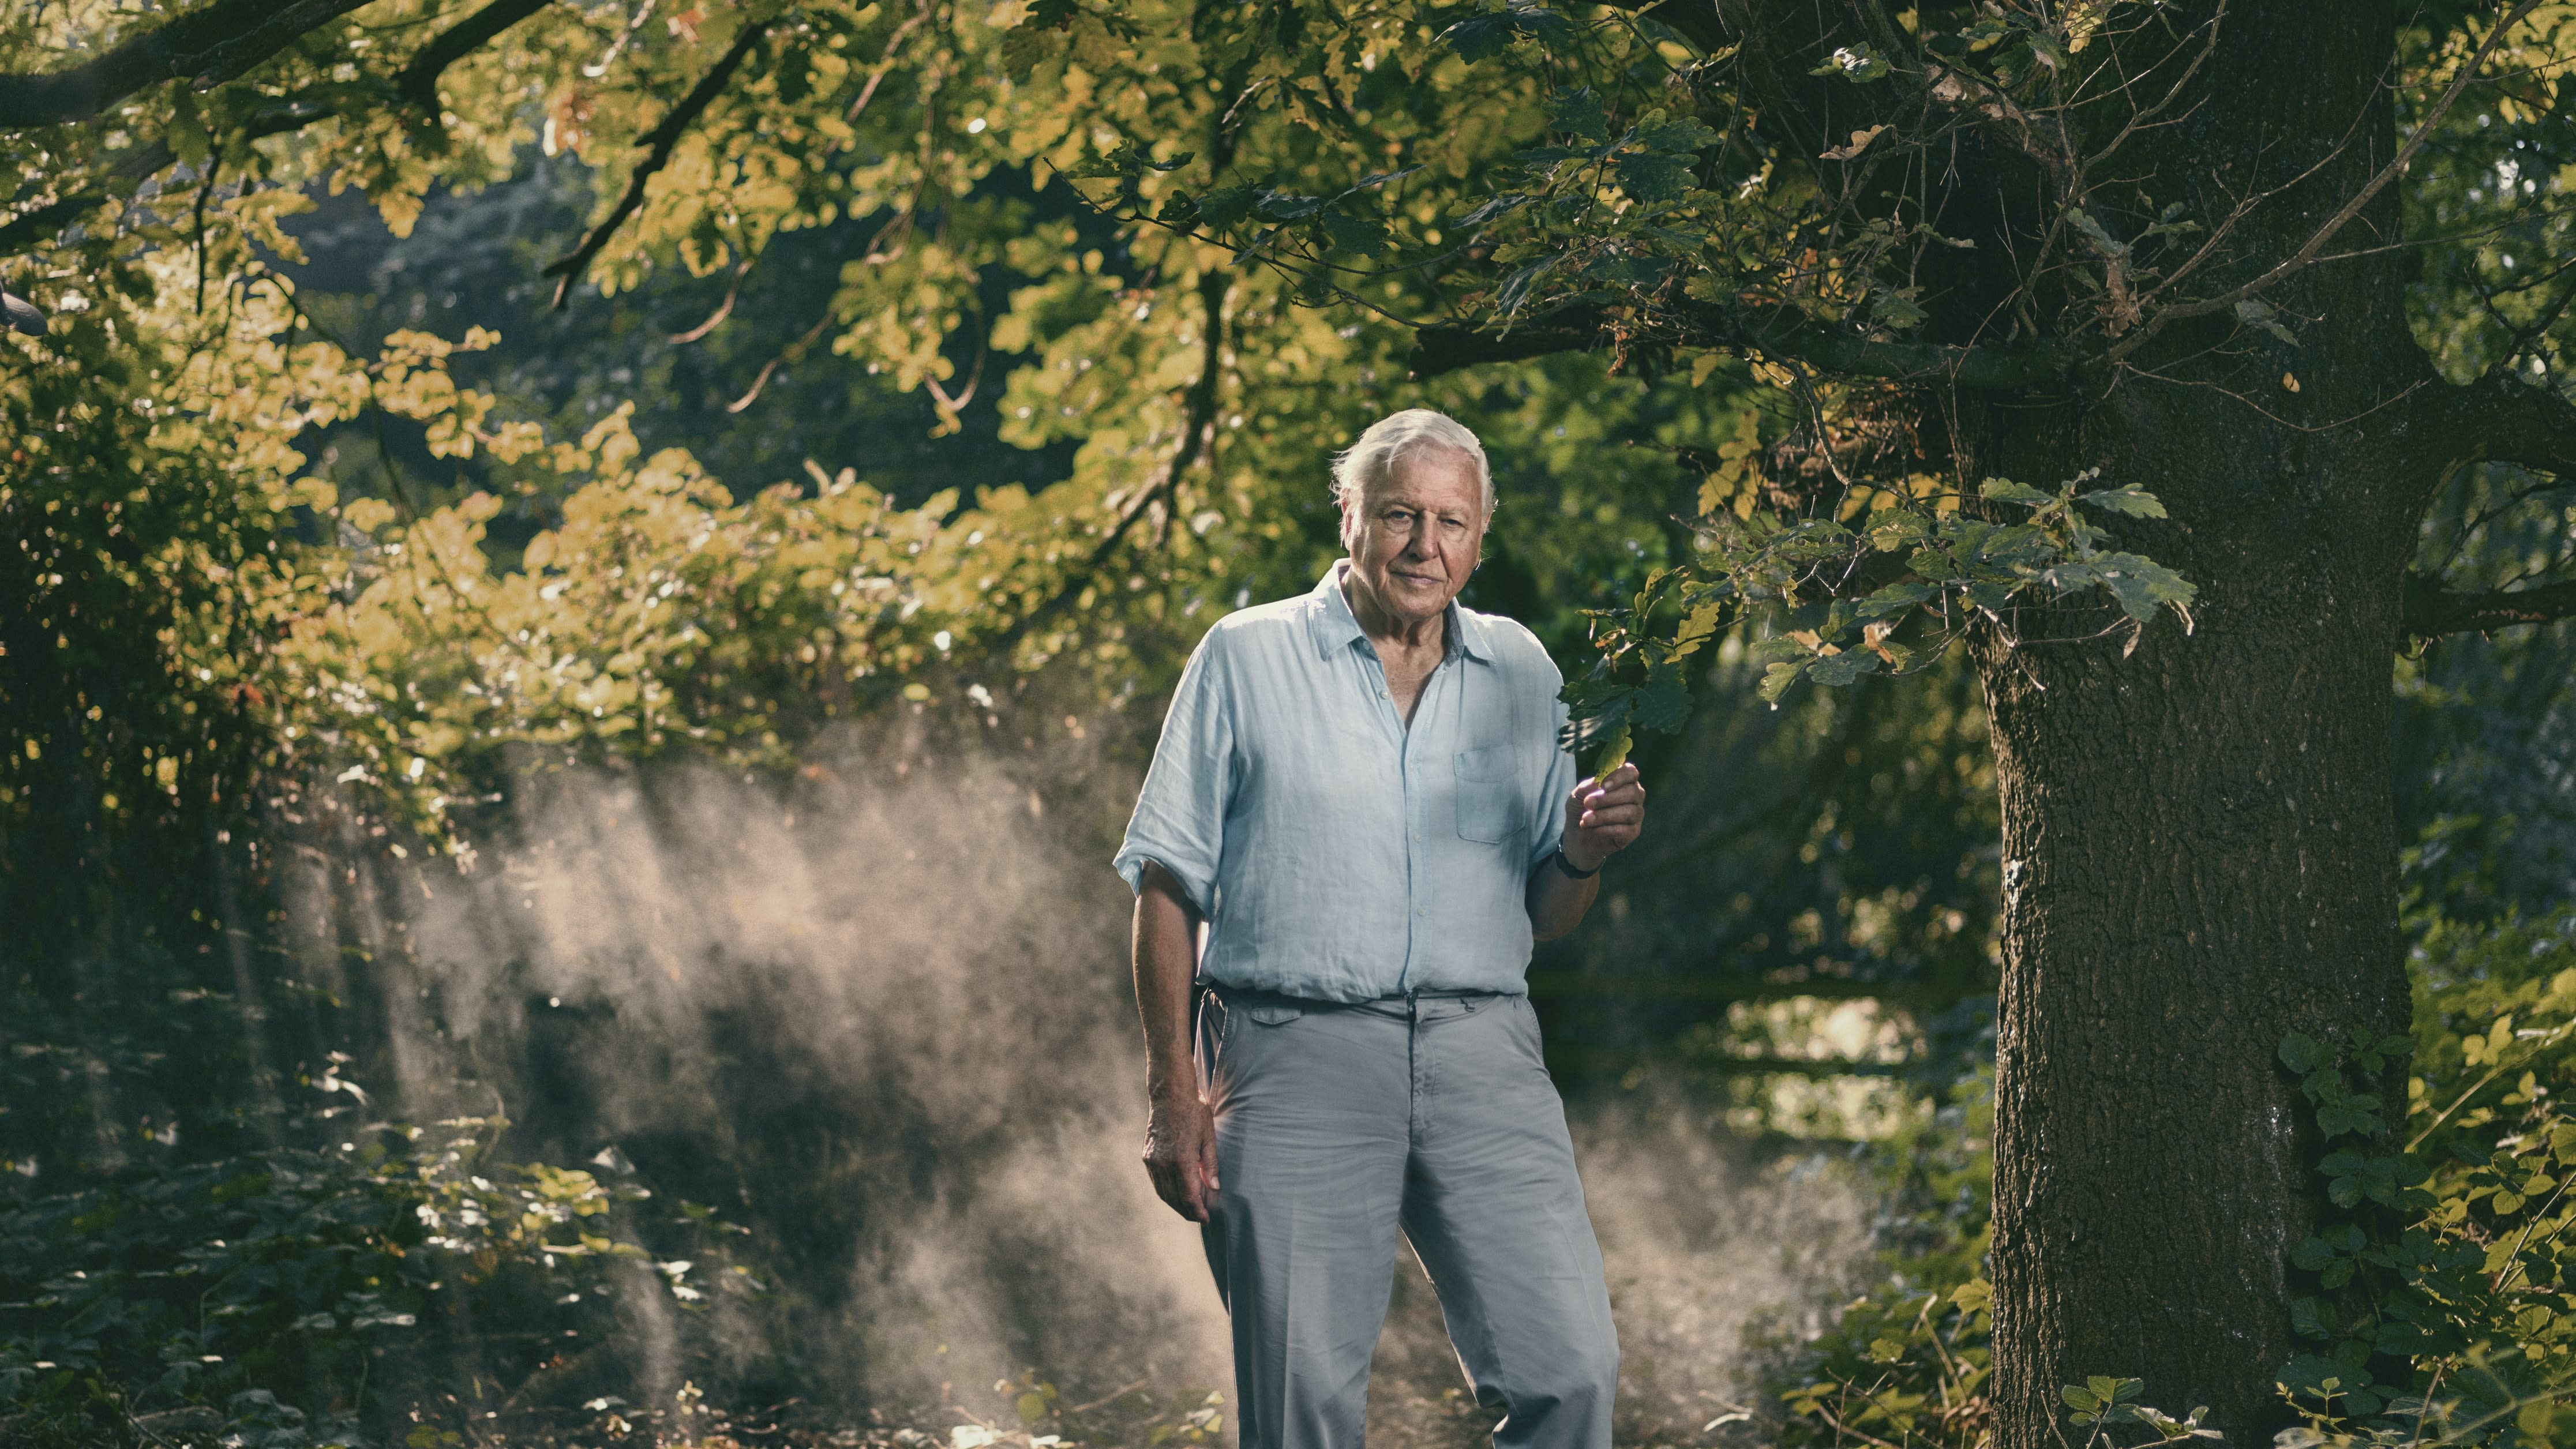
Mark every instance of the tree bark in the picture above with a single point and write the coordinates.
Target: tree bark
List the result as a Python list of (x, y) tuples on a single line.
[(2199, 843), (2199, 858)]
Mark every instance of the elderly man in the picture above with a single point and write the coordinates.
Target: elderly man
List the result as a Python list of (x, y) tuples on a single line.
[(1360, 808)]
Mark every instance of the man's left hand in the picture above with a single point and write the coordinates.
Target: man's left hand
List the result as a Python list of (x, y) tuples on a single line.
[(1602, 817)]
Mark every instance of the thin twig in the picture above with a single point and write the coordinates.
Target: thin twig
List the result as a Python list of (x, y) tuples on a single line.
[(2515, 1260), (2142, 119), (2410, 390), (205, 189), (1198, 438), (664, 139), (1105, 1400), (2352, 206), (885, 65), (723, 310), (1842, 1428), (793, 351), (2499, 1070)]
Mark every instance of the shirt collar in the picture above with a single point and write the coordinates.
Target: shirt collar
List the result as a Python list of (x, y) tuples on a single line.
[(1334, 626)]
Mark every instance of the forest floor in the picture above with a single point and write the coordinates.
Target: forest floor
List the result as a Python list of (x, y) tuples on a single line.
[(1417, 1400)]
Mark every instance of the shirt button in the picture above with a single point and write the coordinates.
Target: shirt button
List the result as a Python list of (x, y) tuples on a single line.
[(1417, 837), (1424, 911)]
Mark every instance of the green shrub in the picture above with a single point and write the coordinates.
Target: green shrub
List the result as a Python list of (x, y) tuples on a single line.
[(1908, 1360), (299, 1288)]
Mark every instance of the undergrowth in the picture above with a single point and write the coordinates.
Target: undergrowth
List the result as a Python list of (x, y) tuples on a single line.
[(2434, 1306), (298, 1296)]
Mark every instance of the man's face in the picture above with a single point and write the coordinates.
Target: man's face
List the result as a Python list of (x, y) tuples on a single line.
[(1416, 532)]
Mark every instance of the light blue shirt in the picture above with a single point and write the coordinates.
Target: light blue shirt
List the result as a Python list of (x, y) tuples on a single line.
[(1334, 853)]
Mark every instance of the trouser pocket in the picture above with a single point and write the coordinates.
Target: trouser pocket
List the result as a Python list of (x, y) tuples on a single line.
[(1234, 1023)]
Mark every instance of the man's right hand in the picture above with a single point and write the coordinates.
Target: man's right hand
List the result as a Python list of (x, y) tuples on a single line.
[(1180, 1154), (1180, 1132)]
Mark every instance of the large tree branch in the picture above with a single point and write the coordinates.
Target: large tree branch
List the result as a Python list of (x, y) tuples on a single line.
[(663, 139), (53, 216), (2432, 611), (1693, 20), (2498, 419), (1780, 334), (61, 212), (2495, 419), (418, 81), (208, 47)]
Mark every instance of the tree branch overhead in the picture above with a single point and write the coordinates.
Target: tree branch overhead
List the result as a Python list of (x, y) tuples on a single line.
[(2432, 611), (662, 140), (1442, 349), (418, 81), (206, 48), (2504, 420)]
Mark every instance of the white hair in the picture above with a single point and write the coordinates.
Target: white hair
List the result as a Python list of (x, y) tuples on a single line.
[(1393, 438)]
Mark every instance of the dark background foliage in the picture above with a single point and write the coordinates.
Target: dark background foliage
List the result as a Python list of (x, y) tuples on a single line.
[(274, 1169)]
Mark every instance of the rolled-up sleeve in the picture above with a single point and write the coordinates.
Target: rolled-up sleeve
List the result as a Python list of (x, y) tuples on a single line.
[(1179, 822), (1549, 828)]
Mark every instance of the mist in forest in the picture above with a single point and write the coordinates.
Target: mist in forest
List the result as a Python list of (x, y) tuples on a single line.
[(879, 1015)]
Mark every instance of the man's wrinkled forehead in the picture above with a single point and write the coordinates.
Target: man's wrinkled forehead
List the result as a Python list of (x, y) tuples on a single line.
[(1426, 475)]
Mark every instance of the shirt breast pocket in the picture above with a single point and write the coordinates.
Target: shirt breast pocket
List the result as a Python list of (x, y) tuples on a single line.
[(1489, 793)]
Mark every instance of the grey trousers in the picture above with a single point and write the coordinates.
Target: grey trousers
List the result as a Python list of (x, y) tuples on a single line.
[(1338, 1124)]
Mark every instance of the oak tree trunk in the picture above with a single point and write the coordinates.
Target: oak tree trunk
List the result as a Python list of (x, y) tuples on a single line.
[(2199, 851), (2198, 859)]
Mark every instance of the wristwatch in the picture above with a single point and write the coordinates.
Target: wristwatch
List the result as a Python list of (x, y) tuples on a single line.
[(1567, 866)]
